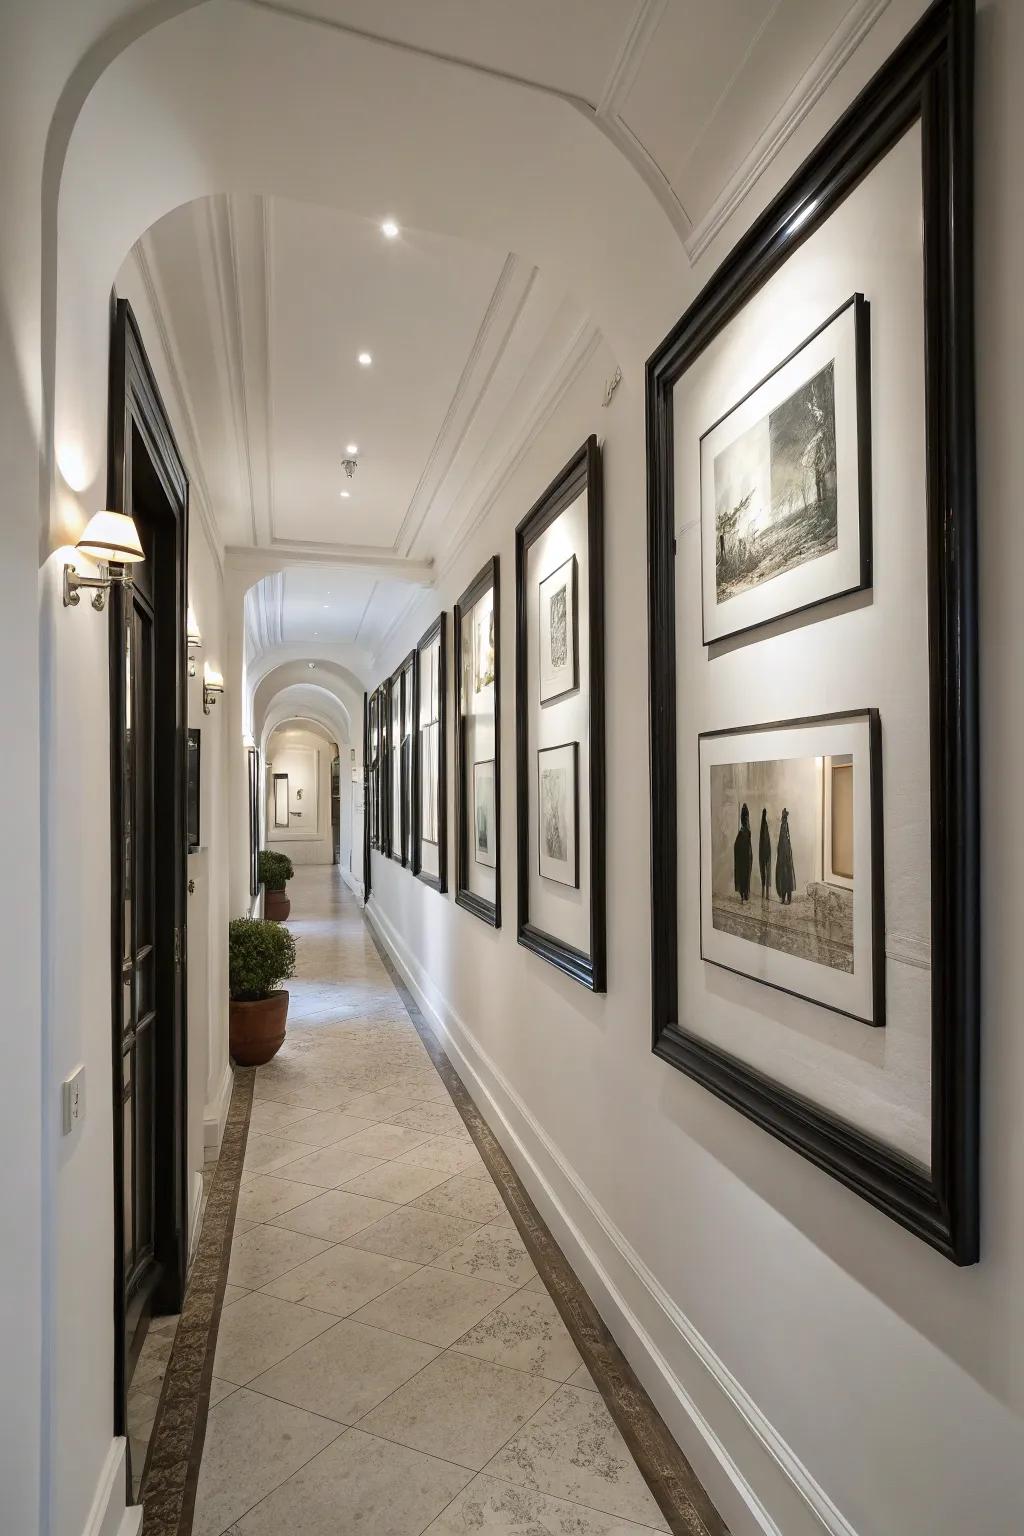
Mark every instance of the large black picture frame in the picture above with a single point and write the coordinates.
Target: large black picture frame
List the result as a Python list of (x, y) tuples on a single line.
[(488, 911), (439, 882), (929, 79), (581, 473)]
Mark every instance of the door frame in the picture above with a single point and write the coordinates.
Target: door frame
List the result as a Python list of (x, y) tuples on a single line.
[(135, 405)]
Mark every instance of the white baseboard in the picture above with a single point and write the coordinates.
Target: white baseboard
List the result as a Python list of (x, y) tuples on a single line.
[(216, 1113), (354, 885), (195, 1206), (109, 1515), (757, 1482)]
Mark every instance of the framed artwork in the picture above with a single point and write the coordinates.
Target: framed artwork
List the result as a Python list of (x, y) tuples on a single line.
[(401, 725), (485, 825), (785, 481), (477, 651), (282, 812), (560, 763), (770, 906), (369, 786), (192, 786), (430, 772), (770, 989), (558, 813), (557, 630)]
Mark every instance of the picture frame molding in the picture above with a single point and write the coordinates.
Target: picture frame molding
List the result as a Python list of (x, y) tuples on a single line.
[(928, 78), (438, 882), (488, 577), (583, 471)]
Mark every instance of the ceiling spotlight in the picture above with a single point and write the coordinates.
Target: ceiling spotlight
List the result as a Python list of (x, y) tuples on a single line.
[(351, 447), (365, 359), (345, 495), (311, 665), (389, 229)]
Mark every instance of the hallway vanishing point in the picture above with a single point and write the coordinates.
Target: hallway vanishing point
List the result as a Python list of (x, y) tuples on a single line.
[(389, 1360)]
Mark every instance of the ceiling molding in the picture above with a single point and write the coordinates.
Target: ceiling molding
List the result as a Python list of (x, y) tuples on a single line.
[(634, 46), (266, 228), (464, 405), (845, 40), (395, 625), (225, 275), (199, 498), (362, 619), (575, 358), (258, 561)]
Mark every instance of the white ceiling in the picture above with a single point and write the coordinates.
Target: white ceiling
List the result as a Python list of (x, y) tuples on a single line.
[(263, 303)]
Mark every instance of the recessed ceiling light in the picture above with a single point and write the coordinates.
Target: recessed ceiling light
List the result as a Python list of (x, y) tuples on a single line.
[(365, 359), (389, 229), (345, 495), (327, 605), (351, 447)]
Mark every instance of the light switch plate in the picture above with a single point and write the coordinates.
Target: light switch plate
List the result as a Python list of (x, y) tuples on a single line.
[(72, 1100)]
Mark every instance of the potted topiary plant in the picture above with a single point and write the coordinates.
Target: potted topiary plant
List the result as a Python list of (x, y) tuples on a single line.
[(261, 954), (276, 870)]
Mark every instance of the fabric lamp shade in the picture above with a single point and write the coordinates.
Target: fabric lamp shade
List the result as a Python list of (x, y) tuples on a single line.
[(111, 537)]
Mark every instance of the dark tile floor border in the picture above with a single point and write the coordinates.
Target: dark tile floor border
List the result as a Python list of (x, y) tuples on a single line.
[(680, 1494), (168, 1491)]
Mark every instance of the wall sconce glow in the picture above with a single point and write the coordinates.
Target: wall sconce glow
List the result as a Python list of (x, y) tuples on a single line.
[(801, 217), (389, 229), (365, 359), (345, 495), (193, 639), (213, 687), (111, 540), (352, 448)]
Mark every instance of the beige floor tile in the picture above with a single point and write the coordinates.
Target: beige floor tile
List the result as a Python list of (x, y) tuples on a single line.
[(340, 1280), (490, 1508), (435, 1116), (330, 1166), (407, 1233), (396, 1181), (234, 1293), (305, 1095), (346, 1371), (335, 1215), (583, 1379), (572, 1450), (142, 1408), (265, 1196), (460, 1409), (492, 1253), (537, 1286), (263, 1253), (219, 1390), (447, 1152), (358, 1485), (252, 1444), (466, 1199), (325, 1127), (258, 1331), (526, 1333), (264, 1153), (383, 1105), (268, 1117), (433, 1305), (385, 1140)]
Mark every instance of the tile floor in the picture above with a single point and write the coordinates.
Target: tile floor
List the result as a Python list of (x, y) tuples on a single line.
[(388, 1360)]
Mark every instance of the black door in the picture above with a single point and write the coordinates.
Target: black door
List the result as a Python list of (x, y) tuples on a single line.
[(149, 845)]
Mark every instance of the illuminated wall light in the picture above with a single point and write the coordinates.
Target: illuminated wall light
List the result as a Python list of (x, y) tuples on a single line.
[(389, 229), (365, 359), (345, 495), (352, 448)]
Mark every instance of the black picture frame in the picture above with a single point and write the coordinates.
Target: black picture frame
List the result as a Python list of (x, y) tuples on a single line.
[(193, 786), (386, 783), (583, 472), (486, 579), (438, 631), (928, 79), (873, 721), (862, 405), (401, 686)]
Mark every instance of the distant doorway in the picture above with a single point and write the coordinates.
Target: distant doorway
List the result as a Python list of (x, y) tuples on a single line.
[(148, 742)]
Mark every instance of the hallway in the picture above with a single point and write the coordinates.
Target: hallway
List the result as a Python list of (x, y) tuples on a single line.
[(389, 1359)]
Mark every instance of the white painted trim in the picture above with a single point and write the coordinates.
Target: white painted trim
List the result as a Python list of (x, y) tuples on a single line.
[(193, 1215), (756, 1480), (354, 885), (847, 37), (108, 1515), (216, 1113)]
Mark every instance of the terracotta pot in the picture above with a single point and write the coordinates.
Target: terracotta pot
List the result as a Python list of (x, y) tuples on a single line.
[(276, 905), (256, 1030)]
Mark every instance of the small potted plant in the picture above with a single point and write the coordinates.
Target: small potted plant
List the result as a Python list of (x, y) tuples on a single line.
[(276, 870), (261, 954)]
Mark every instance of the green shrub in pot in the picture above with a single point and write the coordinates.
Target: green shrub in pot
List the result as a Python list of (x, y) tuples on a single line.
[(261, 954), (275, 869)]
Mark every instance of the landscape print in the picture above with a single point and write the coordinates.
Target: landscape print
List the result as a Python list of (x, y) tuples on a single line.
[(767, 885), (776, 503)]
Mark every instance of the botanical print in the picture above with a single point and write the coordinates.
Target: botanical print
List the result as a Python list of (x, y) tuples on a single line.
[(557, 773), (557, 631), (768, 882), (485, 828), (776, 501), (483, 630)]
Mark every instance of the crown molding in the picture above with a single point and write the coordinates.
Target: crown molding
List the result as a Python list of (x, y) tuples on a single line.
[(258, 561), (842, 44)]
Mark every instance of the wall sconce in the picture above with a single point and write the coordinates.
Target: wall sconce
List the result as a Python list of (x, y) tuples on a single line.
[(193, 640), (111, 539), (213, 687)]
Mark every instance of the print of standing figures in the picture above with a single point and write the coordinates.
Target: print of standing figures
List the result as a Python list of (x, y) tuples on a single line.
[(743, 858)]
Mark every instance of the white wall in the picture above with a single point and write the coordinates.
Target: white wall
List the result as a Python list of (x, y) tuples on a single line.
[(806, 1350), (302, 754)]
